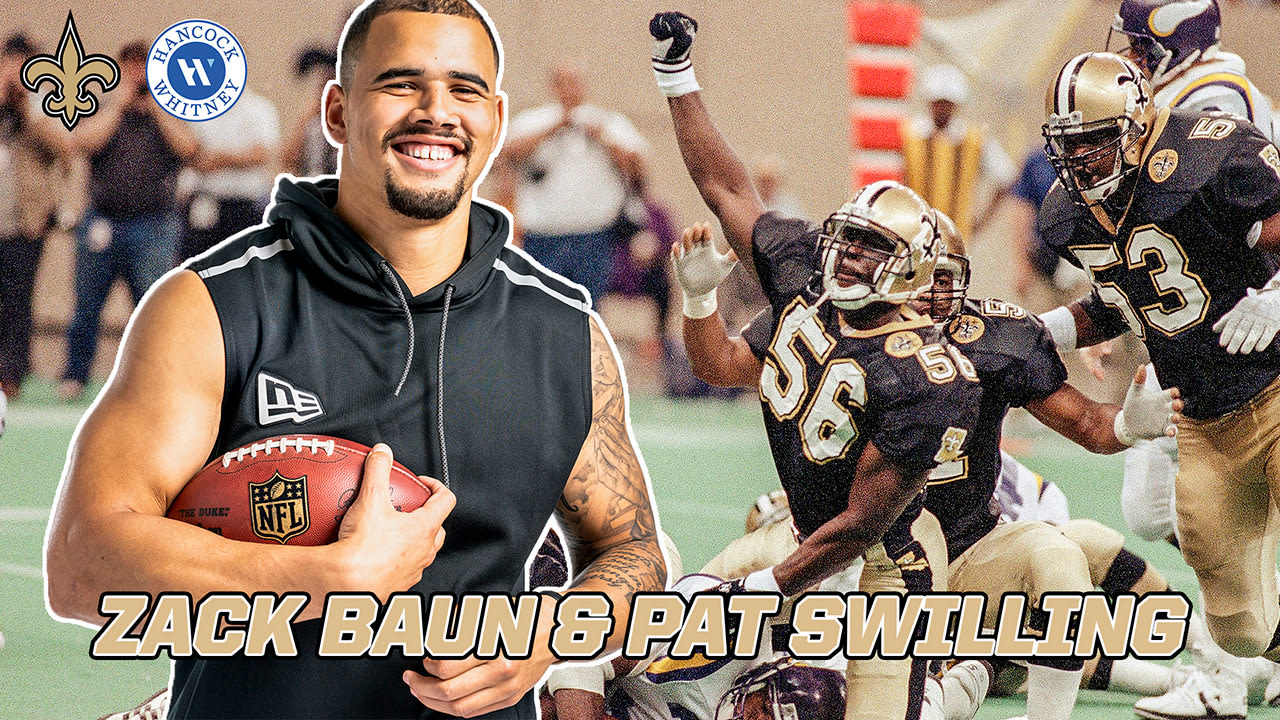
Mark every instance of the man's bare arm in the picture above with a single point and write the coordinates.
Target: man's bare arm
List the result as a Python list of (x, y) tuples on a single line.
[(151, 430), (1098, 427), (720, 175), (879, 493), (716, 358), (609, 523), (610, 532), (1081, 420)]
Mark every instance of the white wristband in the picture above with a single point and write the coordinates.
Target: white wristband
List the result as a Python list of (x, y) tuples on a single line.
[(762, 581), (697, 307), (676, 82), (1061, 325), (1122, 432), (589, 678)]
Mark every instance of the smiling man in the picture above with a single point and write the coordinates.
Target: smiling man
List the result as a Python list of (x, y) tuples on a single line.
[(384, 306)]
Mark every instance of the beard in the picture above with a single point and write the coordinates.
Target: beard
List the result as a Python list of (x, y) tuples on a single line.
[(418, 204)]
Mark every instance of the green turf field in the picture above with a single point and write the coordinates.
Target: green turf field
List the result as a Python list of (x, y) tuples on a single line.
[(708, 462)]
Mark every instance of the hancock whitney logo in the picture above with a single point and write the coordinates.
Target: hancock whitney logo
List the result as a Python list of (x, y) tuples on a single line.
[(280, 400), (196, 70)]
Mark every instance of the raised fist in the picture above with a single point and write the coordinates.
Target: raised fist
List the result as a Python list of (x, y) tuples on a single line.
[(673, 34)]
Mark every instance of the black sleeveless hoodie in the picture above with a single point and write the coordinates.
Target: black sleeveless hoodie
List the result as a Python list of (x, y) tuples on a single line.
[(483, 380)]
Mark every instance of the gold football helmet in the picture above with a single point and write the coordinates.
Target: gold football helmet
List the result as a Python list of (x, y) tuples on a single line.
[(946, 302), (880, 246), (1099, 110)]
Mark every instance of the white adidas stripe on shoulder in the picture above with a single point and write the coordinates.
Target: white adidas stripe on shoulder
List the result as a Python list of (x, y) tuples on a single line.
[(253, 253), (528, 280), (534, 281)]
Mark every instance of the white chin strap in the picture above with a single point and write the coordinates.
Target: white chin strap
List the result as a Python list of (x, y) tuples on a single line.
[(850, 302), (1098, 193)]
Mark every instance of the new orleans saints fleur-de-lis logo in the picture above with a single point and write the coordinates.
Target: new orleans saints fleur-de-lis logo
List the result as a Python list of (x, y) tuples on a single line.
[(70, 71)]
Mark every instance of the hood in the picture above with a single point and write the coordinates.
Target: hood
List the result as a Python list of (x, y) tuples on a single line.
[(329, 249)]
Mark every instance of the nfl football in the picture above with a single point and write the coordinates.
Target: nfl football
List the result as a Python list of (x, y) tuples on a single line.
[(290, 490)]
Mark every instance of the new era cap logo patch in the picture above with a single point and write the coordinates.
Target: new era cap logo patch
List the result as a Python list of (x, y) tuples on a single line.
[(279, 400)]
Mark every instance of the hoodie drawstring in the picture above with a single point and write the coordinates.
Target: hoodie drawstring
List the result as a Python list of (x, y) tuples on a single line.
[(408, 318), (444, 323), (408, 361)]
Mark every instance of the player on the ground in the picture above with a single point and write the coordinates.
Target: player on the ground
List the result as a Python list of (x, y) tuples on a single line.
[(1173, 214), (1018, 365), (1022, 495), (861, 397), (661, 687)]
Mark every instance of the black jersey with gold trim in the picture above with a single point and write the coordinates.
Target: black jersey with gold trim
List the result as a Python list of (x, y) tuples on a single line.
[(827, 389), (1017, 363), (1182, 254)]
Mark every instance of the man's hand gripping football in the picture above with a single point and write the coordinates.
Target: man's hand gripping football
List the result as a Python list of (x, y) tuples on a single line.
[(384, 550)]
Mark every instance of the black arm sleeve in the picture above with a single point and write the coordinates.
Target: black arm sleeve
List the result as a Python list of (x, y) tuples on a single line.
[(1106, 320), (759, 332), (1247, 187), (1036, 371)]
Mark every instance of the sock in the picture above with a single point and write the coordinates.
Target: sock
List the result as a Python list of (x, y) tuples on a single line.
[(957, 703), (1257, 673), (1051, 693), (1125, 572), (1100, 679), (1140, 677)]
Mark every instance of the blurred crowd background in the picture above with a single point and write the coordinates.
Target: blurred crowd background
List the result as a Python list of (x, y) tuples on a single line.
[(88, 219)]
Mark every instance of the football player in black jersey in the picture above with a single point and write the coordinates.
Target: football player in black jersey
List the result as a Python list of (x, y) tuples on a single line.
[(1174, 214), (861, 396), (1018, 365)]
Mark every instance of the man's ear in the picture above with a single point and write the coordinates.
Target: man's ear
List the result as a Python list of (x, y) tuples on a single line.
[(333, 109), (501, 108)]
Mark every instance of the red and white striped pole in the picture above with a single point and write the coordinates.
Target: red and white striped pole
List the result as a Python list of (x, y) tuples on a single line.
[(881, 35)]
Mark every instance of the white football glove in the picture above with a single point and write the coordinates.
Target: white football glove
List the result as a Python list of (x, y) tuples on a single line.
[(700, 269), (673, 34), (1147, 414), (1252, 324)]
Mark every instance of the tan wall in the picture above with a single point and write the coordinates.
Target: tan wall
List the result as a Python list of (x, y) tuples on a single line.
[(774, 74)]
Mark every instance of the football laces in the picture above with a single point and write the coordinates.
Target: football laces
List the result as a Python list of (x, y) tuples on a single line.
[(298, 444)]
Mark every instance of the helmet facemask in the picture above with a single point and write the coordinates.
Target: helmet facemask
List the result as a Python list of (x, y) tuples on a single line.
[(1099, 111), (944, 304), (1094, 160), (1165, 37), (865, 262), (1145, 52)]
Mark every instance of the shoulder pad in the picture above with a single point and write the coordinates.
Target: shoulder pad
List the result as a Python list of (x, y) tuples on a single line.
[(1058, 216), (1190, 149)]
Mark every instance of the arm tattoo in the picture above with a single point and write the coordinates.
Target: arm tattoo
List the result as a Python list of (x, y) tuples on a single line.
[(608, 521)]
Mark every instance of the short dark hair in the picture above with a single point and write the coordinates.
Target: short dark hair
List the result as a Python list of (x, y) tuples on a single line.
[(312, 58), (135, 51), (19, 43), (357, 29)]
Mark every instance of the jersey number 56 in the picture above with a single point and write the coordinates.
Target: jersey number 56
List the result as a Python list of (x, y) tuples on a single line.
[(827, 426)]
